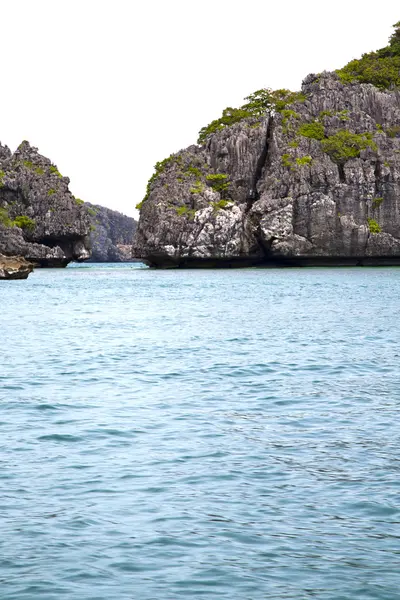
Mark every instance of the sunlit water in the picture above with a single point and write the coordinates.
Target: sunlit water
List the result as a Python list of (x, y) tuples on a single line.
[(183, 434)]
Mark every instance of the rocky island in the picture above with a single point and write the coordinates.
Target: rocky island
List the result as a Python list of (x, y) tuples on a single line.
[(111, 234), (289, 178), (40, 220)]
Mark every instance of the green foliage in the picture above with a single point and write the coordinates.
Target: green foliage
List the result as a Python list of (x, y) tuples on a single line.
[(344, 145), (304, 160), (218, 181), (79, 201), (381, 68), (193, 171), (293, 144), (343, 115), (51, 192), (325, 113), (393, 132), (260, 103), (28, 164), (92, 227), (92, 211), (198, 188), (4, 218), (379, 127), (53, 169), (139, 205), (374, 227), (220, 205), (159, 167), (314, 130), (376, 202), (24, 222), (2, 175), (287, 160), (39, 171), (230, 116), (182, 211)]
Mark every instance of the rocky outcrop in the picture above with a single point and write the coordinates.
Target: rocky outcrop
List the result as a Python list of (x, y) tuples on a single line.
[(111, 234), (315, 182), (14, 267), (40, 219)]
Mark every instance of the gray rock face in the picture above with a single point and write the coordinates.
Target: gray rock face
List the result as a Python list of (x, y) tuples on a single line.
[(39, 217), (111, 234), (14, 267), (287, 198)]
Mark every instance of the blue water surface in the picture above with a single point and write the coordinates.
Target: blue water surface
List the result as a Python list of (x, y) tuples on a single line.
[(212, 434)]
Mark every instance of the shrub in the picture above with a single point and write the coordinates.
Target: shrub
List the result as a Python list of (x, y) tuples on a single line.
[(381, 68), (185, 211), (287, 160), (2, 175), (344, 145), (24, 222), (92, 211), (220, 205), (4, 218), (198, 188), (218, 181), (51, 192), (304, 160), (53, 169), (159, 167), (315, 130), (260, 103), (79, 201), (373, 226), (39, 171), (139, 205), (376, 202)]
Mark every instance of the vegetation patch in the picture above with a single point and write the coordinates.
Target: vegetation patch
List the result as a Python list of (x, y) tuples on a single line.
[(381, 68), (4, 218), (79, 201), (393, 132), (259, 104), (304, 160), (139, 205), (220, 205), (55, 171), (92, 211), (198, 188), (159, 168), (376, 202), (51, 192), (287, 160), (374, 227), (2, 175), (218, 181), (24, 222), (314, 130), (344, 145), (182, 211)]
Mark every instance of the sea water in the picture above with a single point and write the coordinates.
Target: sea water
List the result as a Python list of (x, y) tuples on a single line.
[(200, 434)]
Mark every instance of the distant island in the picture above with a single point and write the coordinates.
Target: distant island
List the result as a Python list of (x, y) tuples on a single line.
[(288, 178), (111, 234), (43, 225)]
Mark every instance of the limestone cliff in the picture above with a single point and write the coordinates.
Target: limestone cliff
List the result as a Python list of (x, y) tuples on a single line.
[(111, 234), (40, 219), (314, 178)]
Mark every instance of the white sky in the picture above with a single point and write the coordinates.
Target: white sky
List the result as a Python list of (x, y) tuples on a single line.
[(106, 88)]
